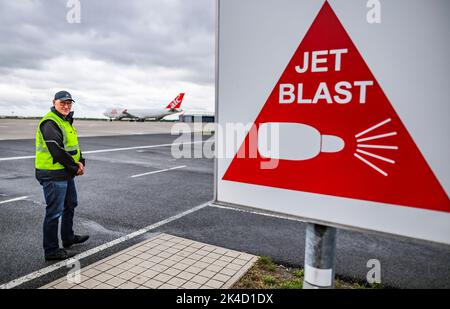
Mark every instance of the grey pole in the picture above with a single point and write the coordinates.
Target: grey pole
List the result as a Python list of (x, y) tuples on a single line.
[(320, 249)]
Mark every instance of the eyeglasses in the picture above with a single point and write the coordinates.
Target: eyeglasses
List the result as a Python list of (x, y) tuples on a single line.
[(68, 103)]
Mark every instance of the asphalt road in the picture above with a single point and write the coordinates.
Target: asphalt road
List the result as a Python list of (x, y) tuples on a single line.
[(113, 204), (11, 129)]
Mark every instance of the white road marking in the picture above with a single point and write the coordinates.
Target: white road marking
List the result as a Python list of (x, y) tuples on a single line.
[(14, 199), (51, 268), (158, 171), (17, 158), (113, 150), (260, 213), (140, 147)]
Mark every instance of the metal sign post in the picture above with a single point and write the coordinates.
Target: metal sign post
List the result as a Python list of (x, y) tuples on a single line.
[(320, 250)]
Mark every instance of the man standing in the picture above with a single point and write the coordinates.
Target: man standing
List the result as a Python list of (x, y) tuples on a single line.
[(58, 161)]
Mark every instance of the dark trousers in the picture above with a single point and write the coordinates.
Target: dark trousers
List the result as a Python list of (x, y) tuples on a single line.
[(61, 199)]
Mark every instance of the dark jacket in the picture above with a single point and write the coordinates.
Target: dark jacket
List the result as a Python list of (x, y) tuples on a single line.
[(53, 138)]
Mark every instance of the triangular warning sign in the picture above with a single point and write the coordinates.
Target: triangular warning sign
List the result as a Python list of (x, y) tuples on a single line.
[(363, 150)]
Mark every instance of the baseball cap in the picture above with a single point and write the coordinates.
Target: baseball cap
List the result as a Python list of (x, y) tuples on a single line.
[(63, 96)]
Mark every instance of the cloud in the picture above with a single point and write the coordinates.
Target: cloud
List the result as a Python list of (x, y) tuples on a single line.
[(136, 53)]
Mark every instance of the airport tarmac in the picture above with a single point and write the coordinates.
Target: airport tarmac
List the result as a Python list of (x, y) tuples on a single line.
[(11, 129), (133, 182)]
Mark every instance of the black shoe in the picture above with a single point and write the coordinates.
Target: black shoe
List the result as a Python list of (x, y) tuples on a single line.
[(59, 254), (78, 239)]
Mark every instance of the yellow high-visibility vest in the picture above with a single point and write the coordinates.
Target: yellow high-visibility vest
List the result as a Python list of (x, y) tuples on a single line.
[(44, 160)]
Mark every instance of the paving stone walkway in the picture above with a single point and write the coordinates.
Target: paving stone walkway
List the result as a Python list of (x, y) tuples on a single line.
[(163, 262)]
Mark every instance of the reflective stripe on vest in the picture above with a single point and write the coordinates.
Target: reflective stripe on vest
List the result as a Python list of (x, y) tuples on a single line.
[(44, 160)]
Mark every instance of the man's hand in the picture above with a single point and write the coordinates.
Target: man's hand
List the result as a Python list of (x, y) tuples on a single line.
[(80, 171)]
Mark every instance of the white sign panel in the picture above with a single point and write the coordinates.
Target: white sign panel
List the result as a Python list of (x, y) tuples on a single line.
[(343, 108)]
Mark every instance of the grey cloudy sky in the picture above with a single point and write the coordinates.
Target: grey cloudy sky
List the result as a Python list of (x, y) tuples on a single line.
[(134, 53)]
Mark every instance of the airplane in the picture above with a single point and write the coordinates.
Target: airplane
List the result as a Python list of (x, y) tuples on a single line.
[(148, 113)]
